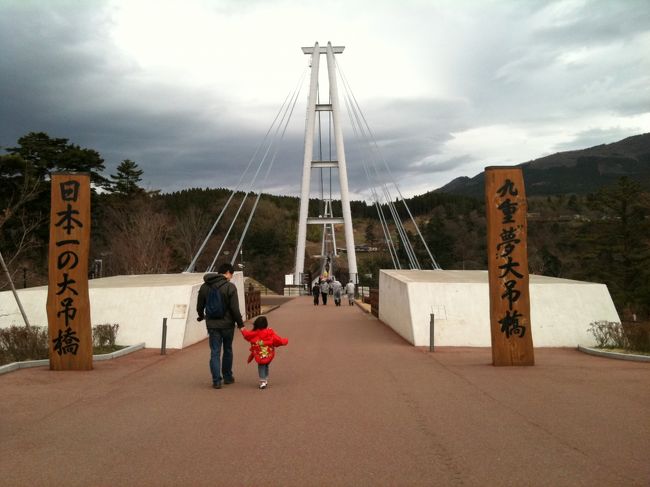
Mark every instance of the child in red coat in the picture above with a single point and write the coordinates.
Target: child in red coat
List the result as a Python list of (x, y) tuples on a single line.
[(263, 342)]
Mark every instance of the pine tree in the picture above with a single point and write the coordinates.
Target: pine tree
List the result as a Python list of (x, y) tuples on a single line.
[(370, 234), (628, 242), (125, 182)]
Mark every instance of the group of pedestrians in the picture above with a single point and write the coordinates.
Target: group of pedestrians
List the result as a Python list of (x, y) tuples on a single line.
[(326, 287)]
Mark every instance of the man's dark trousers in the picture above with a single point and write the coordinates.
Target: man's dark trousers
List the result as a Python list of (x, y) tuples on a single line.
[(219, 337)]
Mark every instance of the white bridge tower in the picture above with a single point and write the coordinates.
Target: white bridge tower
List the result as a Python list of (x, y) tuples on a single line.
[(326, 220)]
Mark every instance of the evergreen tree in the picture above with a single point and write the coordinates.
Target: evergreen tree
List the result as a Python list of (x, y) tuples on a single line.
[(630, 207), (125, 182), (440, 242), (370, 234), (45, 154), (25, 187)]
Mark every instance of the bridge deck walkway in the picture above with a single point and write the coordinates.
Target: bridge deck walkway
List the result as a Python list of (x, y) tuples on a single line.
[(349, 403)]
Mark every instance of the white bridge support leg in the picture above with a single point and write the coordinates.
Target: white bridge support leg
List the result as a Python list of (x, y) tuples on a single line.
[(306, 166), (309, 163), (343, 172)]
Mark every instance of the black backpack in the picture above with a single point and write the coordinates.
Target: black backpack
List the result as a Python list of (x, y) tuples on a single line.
[(215, 306)]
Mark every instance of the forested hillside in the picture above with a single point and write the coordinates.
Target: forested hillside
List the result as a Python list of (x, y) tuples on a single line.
[(574, 172), (602, 235)]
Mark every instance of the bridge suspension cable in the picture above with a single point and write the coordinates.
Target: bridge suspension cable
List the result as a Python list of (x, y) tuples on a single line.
[(265, 143), (268, 171), (286, 111), (375, 180), (372, 147), (376, 200)]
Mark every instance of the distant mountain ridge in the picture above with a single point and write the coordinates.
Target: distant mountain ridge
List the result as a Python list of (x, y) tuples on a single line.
[(578, 171)]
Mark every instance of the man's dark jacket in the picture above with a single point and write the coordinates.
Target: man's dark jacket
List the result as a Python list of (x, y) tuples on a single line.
[(230, 298)]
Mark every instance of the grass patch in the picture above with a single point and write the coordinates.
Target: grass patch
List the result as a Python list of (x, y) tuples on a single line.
[(622, 350)]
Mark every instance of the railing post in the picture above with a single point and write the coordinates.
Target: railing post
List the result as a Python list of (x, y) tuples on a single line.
[(431, 328), (163, 345)]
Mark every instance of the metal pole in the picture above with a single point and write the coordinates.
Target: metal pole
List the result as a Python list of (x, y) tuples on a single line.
[(13, 290), (163, 345), (431, 328)]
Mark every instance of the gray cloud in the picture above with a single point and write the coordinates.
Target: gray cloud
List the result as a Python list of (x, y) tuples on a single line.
[(598, 22), (60, 76), (525, 66)]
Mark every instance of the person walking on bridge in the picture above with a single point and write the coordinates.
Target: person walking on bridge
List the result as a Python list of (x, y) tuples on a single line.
[(324, 290), (349, 290), (315, 291), (218, 304), (337, 291), (263, 342)]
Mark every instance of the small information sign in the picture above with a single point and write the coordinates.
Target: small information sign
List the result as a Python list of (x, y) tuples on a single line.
[(179, 311)]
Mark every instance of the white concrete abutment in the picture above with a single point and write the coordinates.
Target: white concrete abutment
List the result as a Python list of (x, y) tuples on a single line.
[(561, 309)]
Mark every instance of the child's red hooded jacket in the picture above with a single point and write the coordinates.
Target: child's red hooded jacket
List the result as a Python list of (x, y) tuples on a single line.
[(263, 343)]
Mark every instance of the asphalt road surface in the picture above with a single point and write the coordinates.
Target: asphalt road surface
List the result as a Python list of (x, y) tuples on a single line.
[(349, 404)]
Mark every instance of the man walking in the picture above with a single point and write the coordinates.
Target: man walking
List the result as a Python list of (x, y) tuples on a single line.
[(349, 290), (337, 290), (218, 304), (324, 290), (315, 291)]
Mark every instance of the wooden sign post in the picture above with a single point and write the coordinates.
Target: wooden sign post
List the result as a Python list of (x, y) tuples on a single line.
[(68, 304), (506, 208)]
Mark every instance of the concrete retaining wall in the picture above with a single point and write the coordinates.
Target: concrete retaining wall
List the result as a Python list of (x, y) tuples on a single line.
[(561, 309), (137, 303)]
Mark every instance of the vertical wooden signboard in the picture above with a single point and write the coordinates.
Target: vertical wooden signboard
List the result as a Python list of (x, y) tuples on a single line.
[(506, 208), (68, 304)]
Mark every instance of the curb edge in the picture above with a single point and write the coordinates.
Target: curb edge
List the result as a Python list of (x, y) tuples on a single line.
[(614, 355), (96, 358)]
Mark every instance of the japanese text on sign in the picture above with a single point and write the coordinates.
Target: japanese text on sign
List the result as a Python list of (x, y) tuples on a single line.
[(68, 305), (510, 321), (506, 208)]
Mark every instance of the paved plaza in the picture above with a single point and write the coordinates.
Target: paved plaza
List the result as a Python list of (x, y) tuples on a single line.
[(350, 403)]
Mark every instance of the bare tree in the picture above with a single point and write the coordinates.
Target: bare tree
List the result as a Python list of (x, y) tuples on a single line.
[(139, 239), (189, 231), (23, 239), (25, 188), (19, 187)]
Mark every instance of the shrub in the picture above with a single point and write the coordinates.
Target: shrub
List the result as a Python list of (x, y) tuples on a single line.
[(628, 335), (638, 335), (19, 343), (609, 334), (104, 335)]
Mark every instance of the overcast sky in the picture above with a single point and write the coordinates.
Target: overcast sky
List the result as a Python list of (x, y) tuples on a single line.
[(187, 89)]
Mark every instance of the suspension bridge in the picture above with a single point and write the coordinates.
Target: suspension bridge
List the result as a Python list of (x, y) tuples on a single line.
[(325, 155), (333, 423), (420, 301)]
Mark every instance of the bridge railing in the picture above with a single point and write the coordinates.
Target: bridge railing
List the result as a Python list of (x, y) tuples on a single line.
[(299, 290), (253, 303), (363, 291), (373, 300)]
